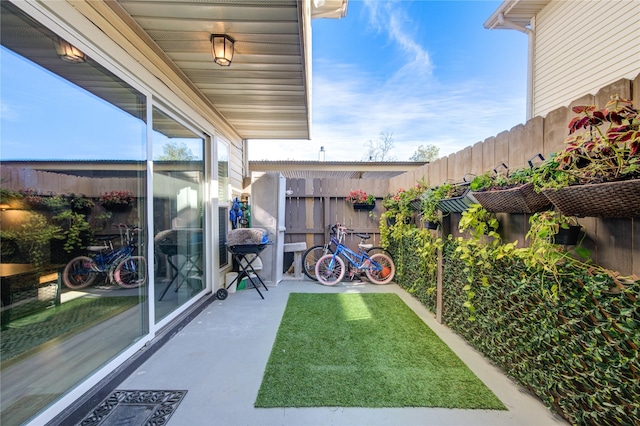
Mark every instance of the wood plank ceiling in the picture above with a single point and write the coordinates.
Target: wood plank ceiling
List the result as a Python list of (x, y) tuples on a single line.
[(264, 94)]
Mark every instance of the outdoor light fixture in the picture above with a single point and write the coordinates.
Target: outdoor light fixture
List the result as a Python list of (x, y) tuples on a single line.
[(222, 49), (68, 52)]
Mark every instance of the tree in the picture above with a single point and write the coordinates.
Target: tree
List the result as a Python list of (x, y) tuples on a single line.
[(379, 150), (426, 153), (176, 152)]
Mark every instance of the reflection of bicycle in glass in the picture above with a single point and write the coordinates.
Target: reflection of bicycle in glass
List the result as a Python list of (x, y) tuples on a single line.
[(119, 266), (331, 268), (313, 254)]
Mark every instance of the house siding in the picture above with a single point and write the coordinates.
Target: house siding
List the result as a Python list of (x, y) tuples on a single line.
[(581, 46)]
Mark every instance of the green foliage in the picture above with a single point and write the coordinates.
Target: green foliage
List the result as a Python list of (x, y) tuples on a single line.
[(566, 330), (426, 153), (32, 237), (174, 151), (75, 229), (400, 205)]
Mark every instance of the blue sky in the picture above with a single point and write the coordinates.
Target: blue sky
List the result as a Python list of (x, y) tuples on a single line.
[(427, 72)]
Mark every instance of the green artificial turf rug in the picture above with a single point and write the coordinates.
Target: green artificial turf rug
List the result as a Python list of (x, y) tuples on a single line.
[(364, 350)]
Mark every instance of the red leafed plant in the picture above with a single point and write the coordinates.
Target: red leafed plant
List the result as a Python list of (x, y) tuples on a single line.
[(117, 198), (360, 197), (609, 149)]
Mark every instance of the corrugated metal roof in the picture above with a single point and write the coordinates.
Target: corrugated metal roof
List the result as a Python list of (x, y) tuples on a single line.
[(335, 169)]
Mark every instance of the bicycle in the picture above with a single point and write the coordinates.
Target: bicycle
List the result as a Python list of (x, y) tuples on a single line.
[(119, 266), (331, 268), (313, 254)]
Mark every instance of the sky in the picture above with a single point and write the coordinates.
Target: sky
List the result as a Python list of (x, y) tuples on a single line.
[(425, 72)]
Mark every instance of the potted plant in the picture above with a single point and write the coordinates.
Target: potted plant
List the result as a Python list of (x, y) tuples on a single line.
[(429, 208), (117, 201), (455, 197), (361, 200), (80, 203), (598, 172), (509, 192), (403, 204), (553, 227)]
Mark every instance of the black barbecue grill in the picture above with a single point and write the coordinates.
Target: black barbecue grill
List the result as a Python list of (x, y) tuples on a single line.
[(241, 243)]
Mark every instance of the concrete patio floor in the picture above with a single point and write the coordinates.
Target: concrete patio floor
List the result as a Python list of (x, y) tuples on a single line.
[(219, 359)]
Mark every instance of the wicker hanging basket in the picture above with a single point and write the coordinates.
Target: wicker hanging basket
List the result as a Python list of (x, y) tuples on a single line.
[(521, 199), (611, 199)]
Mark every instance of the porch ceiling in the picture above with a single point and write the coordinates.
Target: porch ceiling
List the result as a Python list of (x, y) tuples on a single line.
[(265, 93)]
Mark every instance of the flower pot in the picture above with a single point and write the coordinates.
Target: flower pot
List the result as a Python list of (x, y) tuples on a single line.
[(364, 206), (118, 208), (430, 225), (568, 237), (391, 221)]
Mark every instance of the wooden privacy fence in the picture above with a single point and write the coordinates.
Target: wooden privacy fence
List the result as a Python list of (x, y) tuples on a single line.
[(315, 204), (16, 178), (613, 243)]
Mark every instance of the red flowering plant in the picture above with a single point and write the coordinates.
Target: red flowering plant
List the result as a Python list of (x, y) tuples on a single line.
[(608, 151), (399, 204), (360, 197), (117, 198)]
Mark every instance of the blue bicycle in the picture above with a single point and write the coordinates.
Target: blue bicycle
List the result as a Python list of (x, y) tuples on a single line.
[(119, 266), (331, 268)]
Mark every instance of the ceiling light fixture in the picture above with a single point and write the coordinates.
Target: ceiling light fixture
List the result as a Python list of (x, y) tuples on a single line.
[(68, 52), (222, 49)]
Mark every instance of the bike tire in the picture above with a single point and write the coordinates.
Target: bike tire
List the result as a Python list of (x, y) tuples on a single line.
[(376, 250), (131, 272), (386, 274), (80, 272), (328, 271), (310, 258)]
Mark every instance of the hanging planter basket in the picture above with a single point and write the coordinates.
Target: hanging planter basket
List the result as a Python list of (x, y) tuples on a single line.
[(364, 206), (118, 208), (568, 237), (430, 225), (611, 199), (521, 199), (457, 204)]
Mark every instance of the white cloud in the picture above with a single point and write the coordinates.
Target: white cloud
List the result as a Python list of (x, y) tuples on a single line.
[(352, 106)]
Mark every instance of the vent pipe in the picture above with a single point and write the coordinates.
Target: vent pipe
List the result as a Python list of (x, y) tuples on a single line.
[(321, 154)]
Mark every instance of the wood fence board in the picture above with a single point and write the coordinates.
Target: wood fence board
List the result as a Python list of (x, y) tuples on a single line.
[(614, 235), (635, 231), (533, 143), (516, 148), (621, 88), (501, 149), (488, 153), (476, 159)]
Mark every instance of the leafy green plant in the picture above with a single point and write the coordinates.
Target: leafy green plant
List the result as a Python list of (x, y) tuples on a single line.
[(608, 150), (75, 229), (33, 236), (399, 205), (79, 202)]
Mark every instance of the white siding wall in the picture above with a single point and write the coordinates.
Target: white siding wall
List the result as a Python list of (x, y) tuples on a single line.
[(236, 169), (581, 46)]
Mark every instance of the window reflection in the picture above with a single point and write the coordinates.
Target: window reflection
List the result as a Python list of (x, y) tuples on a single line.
[(178, 212), (73, 175)]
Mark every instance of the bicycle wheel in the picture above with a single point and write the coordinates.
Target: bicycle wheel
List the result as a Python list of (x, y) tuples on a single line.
[(375, 250), (310, 258), (330, 271), (80, 272), (385, 274), (131, 272)]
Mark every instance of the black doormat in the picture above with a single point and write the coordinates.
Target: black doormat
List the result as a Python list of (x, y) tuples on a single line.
[(135, 408)]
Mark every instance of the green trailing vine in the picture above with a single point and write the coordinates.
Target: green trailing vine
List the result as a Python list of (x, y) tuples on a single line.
[(567, 330)]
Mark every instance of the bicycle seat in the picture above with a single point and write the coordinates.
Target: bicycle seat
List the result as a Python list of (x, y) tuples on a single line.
[(363, 236), (106, 237)]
